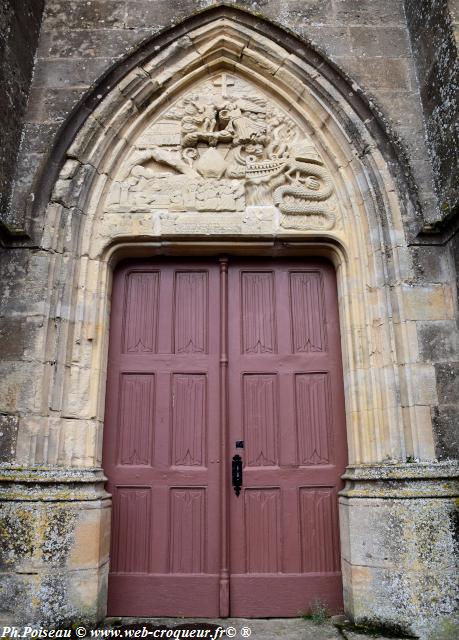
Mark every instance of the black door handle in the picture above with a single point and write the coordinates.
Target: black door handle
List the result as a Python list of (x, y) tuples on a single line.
[(237, 474)]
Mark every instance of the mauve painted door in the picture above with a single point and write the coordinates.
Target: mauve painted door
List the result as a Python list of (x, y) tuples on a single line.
[(162, 439), (166, 423), (286, 404)]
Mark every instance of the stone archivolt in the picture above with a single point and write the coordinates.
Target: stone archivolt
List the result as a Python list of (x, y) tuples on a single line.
[(223, 148)]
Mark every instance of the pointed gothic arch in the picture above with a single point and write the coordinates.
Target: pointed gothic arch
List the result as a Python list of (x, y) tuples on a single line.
[(368, 238)]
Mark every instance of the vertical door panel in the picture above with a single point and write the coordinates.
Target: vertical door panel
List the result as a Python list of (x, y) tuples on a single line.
[(286, 404), (312, 411), (257, 312), (135, 417), (162, 439), (189, 420), (191, 312), (262, 531), (140, 314), (260, 422), (132, 530), (188, 535)]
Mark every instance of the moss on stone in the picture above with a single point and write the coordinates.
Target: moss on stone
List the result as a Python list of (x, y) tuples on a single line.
[(58, 535), (17, 529)]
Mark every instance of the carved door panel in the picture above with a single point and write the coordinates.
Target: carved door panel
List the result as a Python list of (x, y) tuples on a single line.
[(162, 439), (286, 405)]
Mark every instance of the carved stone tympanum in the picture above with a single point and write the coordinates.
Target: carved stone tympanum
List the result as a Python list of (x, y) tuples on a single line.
[(221, 148)]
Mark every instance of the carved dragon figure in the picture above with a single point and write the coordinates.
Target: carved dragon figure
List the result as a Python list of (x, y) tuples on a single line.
[(304, 194)]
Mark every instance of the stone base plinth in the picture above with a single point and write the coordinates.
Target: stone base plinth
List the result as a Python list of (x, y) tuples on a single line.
[(55, 530), (399, 551)]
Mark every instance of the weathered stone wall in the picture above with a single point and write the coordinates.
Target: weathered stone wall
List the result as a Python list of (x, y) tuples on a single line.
[(444, 351), (54, 552), (19, 30), (393, 520), (434, 40), (435, 54)]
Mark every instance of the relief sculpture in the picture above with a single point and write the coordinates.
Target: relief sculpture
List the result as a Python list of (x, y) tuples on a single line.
[(222, 149)]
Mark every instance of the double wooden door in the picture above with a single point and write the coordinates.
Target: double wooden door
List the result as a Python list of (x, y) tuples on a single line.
[(209, 360)]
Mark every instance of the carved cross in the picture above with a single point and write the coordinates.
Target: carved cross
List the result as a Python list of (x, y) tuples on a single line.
[(224, 82)]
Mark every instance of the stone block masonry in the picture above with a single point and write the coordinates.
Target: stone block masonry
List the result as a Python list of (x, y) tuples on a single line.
[(435, 54), (19, 31)]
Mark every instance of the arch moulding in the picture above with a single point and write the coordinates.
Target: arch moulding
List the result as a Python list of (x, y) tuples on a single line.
[(224, 141), (137, 172)]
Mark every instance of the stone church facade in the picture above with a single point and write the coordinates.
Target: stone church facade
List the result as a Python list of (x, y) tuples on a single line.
[(151, 133)]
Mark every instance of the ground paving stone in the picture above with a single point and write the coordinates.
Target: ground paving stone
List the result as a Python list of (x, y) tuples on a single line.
[(266, 629), (351, 635)]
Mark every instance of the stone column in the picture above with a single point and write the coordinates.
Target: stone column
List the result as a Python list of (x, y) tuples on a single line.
[(55, 530), (398, 526)]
